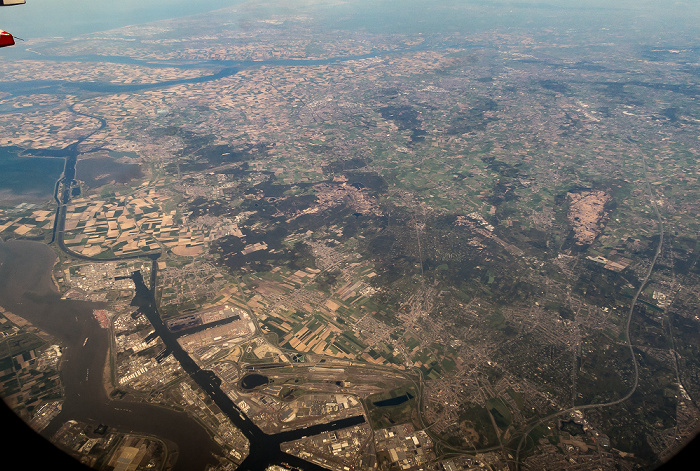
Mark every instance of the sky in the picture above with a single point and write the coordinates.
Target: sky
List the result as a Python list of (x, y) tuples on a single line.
[(70, 18)]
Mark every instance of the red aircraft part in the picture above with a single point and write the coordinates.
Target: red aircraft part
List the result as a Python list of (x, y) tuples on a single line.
[(6, 39)]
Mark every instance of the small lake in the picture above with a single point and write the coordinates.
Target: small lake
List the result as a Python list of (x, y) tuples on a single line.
[(252, 381), (99, 171), (394, 401)]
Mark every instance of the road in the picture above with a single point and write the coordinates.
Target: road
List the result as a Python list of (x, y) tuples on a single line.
[(628, 340)]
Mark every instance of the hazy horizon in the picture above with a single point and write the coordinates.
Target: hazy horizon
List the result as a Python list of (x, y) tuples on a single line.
[(71, 18)]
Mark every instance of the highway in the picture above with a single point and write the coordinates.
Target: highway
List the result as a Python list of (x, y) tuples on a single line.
[(642, 284)]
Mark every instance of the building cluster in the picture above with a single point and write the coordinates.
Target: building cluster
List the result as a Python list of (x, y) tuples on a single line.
[(403, 447), (348, 449)]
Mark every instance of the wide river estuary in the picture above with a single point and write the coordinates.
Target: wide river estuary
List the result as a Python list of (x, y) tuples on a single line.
[(27, 289)]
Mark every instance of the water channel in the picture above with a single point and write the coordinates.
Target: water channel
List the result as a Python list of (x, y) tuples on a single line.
[(264, 448)]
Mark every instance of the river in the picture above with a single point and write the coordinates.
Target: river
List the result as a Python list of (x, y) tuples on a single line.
[(220, 69), (27, 289)]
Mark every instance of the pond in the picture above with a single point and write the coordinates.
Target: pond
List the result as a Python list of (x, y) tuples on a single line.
[(394, 401), (254, 380)]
